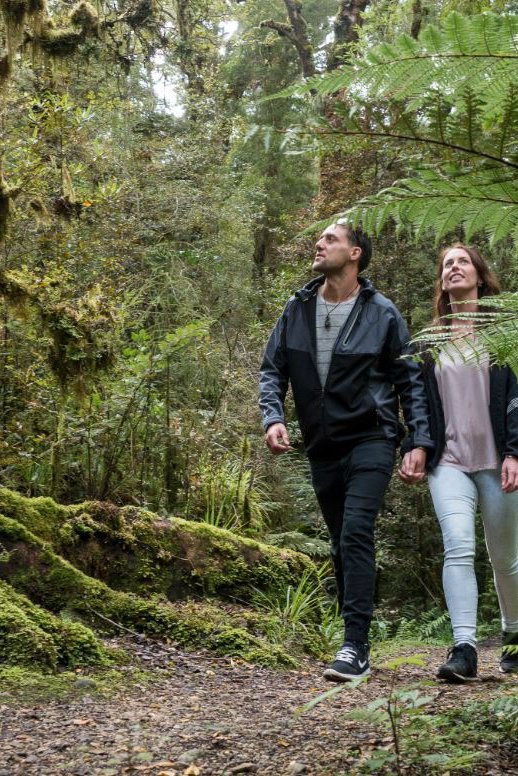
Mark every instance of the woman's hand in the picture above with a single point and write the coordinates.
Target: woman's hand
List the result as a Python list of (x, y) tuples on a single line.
[(510, 474), (412, 466)]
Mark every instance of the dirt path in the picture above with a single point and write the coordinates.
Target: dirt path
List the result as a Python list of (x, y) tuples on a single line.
[(209, 717)]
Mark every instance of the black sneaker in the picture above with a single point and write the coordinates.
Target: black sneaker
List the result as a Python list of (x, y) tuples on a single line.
[(351, 662), (461, 665), (509, 659)]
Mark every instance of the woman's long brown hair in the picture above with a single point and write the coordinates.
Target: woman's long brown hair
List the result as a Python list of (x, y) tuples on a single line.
[(489, 283)]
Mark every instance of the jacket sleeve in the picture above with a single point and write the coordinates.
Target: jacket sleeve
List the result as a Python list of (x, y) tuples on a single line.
[(273, 375), (407, 378), (511, 436)]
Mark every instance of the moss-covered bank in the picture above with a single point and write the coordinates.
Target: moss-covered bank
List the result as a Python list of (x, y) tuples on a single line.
[(134, 550), (32, 636), (51, 608)]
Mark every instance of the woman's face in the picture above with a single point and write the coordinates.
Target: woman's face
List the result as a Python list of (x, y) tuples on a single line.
[(459, 277)]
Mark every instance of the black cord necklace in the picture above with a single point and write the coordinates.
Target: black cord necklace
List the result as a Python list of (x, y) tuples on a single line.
[(327, 321)]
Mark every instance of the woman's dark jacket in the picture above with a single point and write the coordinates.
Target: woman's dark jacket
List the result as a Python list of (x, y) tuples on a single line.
[(503, 410), (366, 382)]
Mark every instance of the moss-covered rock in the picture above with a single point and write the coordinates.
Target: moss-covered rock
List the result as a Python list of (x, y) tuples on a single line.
[(42, 516), (134, 550), (34, 569), (31, 636), (169, 578)]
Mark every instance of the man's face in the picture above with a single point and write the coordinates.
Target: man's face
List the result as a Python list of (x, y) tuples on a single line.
[(334, 250)]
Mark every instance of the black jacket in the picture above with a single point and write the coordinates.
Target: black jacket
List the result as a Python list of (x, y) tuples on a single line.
[(367, 376), (503, 410)]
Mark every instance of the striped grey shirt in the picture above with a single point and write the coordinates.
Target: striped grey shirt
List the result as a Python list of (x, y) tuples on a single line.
[(326, 338)]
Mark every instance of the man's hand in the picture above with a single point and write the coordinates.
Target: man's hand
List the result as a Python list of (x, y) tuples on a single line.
[(412, 466), (277, 439), (510, 475)]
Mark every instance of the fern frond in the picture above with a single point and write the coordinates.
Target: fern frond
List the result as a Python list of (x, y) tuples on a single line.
[(440, 201), (294, 540), (496, 333)]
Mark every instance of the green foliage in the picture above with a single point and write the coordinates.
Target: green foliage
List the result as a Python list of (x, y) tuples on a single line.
[(432, 625), (303, 612), (453, 93), (421, 740), (506, 710), (301, 603), (227, 494), (294, 540), (495, 333)]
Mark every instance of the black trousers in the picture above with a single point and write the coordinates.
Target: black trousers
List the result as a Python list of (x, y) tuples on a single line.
[(350, 492)]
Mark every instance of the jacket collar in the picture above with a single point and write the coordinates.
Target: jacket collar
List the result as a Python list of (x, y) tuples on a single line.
[(310, 289)]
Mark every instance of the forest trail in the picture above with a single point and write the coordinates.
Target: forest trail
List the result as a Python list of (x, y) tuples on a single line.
[(218, 717)]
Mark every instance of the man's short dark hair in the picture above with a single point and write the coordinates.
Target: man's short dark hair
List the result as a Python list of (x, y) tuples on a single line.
[(359, 239)]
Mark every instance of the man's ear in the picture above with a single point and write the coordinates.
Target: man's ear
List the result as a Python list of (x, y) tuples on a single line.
[(356, 253)]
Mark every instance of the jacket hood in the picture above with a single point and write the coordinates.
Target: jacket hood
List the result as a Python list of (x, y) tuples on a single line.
[(311, 288)]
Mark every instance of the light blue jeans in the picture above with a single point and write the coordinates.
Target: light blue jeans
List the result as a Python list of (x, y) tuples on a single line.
[(455, 496)]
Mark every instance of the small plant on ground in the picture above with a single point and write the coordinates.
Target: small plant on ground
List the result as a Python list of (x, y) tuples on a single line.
[(506, 710), (298, 605), (305, 610), (419, 740)]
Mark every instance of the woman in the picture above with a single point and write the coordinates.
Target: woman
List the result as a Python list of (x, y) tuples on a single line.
[(474, 416)]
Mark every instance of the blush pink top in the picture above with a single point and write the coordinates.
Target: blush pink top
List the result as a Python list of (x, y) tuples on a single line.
[(462, 374)]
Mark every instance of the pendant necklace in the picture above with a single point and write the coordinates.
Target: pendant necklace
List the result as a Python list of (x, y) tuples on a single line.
[(327, 321)]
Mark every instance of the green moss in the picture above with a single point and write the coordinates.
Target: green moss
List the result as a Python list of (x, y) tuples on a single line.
[(134, 550), (78, 646), (19, 685), (236, 641), (49, 581), (41, 515), (22, 642), (101, 561), (84, 15), (31, 636), (61, 43)]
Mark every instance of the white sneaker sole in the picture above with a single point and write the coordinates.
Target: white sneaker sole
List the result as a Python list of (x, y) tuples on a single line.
[(336, 676), (452, 678)]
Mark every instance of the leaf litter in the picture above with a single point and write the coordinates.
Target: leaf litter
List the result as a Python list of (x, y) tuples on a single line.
[(205, 717)]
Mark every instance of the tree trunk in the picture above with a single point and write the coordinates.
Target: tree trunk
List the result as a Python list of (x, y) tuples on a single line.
[(296, 33), (418, 14), (347, 20), (263, 244)]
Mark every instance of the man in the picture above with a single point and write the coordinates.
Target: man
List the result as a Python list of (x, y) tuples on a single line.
[(339, 343)]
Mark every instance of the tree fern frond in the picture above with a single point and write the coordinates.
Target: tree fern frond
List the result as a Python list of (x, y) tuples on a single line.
[(496, 333), (433, 40), (435, 201), (505, 226), (456, 29), (478, 50)]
